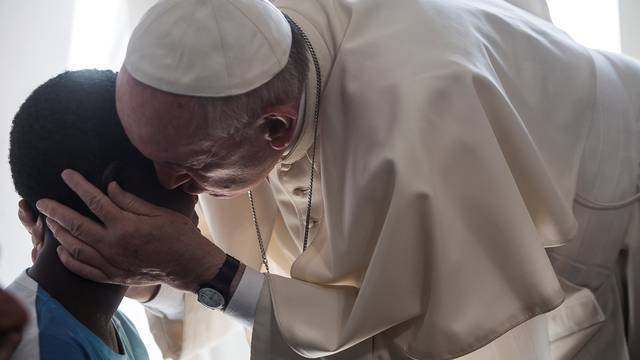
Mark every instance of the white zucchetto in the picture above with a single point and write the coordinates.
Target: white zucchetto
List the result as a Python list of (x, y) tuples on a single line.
[(209, 48)]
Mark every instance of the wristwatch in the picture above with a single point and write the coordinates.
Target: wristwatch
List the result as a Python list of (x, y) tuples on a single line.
[(215, 294)]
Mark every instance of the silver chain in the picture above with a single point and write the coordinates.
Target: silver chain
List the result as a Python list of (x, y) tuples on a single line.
[(263, 252), (316, 115)]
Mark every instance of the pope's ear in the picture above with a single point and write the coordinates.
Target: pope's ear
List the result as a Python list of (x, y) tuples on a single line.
[(278, 130)]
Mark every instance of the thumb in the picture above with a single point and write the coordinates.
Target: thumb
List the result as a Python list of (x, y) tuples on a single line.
[(129, 202)]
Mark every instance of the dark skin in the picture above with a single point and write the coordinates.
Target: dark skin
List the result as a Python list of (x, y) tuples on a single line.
[(91, 303), (36, 230), (12, 320)]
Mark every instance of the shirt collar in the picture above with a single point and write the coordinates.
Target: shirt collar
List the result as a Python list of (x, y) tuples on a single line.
[(299, 123), (305, 135)]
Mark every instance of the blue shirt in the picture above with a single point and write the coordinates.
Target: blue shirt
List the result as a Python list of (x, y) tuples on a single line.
[(53, 333)]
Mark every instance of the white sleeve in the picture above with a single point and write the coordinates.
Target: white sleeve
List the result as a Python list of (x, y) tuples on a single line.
[(244, 302), (168, 303)]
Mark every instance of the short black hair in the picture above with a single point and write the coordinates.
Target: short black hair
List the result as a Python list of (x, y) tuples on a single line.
[(71, 122)]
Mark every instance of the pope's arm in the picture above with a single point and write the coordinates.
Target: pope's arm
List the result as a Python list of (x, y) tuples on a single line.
[(173, 309), (169, 303)]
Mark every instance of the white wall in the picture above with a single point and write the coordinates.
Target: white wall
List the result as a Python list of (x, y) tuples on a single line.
[(630, 26), (593, 23), (35, 37)]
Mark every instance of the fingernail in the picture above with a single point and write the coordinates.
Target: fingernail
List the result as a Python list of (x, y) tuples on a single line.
[(49, 223), (65, 174), (39, 205)]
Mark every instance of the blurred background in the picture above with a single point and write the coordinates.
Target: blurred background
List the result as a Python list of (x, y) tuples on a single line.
[(42, 38)]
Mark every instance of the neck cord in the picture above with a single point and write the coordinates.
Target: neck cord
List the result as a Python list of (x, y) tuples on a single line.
[(316, 114)]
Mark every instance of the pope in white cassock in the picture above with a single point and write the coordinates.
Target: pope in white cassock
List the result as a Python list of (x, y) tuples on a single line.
[(380, 180)]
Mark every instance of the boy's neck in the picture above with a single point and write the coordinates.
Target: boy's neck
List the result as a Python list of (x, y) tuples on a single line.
[(91, 303)]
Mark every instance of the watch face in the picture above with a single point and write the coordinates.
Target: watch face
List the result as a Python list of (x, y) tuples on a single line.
[(210, 298)]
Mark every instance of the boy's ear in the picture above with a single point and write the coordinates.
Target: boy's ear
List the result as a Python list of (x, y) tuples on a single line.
[(111, 173)]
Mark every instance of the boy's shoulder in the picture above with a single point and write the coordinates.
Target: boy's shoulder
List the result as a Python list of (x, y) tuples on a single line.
[(25, 292), (45, 345), (54, 333)]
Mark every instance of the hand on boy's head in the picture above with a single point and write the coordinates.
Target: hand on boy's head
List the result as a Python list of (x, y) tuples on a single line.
[(138, 243), (12, 321)]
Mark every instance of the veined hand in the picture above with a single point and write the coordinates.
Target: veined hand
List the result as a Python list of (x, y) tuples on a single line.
[(137, 243)]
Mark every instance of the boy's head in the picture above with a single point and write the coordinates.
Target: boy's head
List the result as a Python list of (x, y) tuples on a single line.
[(70, 122)]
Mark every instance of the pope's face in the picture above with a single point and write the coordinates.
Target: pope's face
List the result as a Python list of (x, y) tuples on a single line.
[(169, 130)]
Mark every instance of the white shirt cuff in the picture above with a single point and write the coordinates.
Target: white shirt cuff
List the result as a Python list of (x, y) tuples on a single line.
[(244, 302), (168, 303)]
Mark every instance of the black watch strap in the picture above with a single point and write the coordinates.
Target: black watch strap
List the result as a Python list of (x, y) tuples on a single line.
[(210, 292)]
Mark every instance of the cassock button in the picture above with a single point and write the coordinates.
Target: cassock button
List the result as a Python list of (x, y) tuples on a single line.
[(301, 191), (285, 167)]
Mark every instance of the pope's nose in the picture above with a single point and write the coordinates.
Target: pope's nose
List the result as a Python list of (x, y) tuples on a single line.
[(171, 178)]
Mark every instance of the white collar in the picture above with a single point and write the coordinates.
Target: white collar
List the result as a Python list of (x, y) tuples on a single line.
[(299, 122), (298, 149)]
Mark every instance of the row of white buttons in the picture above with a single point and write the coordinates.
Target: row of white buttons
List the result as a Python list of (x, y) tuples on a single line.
[(300, 191)]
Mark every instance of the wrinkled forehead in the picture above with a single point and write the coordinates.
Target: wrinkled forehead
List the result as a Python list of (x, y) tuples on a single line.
[(165, 127)]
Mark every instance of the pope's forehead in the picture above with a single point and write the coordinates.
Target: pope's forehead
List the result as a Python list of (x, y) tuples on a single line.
[(161, 125)]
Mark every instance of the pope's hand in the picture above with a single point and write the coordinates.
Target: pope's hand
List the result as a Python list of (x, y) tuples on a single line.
[(137, 244)]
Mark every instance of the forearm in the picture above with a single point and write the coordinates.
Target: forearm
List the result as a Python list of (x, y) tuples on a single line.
[(200, 265)]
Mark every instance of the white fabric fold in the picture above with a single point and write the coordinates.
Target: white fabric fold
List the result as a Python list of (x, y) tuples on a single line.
[(168, 303), (242, 305)]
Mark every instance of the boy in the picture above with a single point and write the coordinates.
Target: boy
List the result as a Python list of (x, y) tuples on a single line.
[(71, 122)]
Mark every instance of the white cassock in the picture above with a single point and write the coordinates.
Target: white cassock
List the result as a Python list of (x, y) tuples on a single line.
[(451, 140)]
